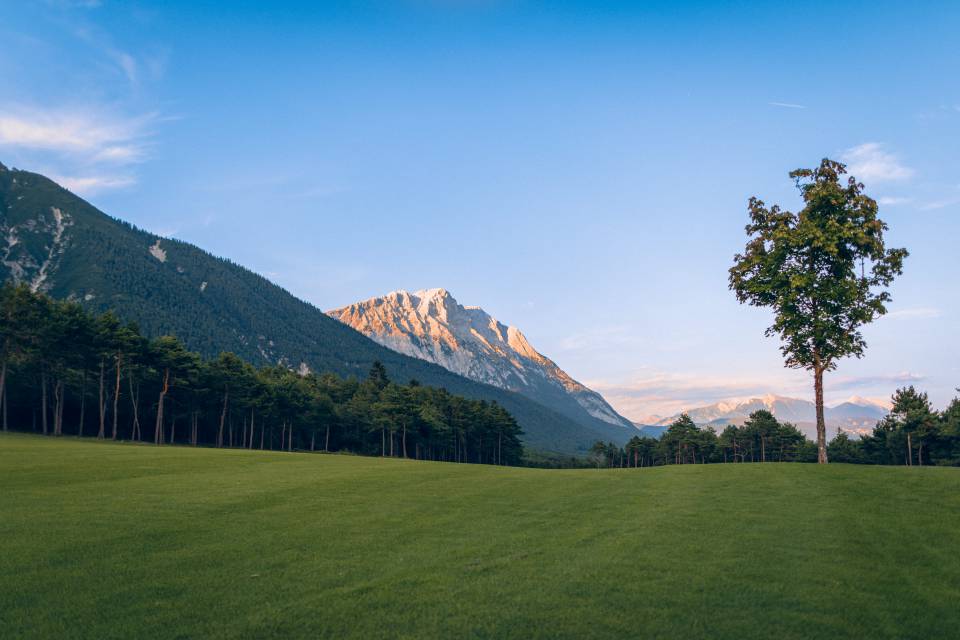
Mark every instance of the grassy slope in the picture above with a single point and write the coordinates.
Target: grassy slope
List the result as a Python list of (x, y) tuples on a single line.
[(103, 540)]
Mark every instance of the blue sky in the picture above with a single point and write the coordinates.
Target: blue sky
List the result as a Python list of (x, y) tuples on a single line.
[(579, 169)]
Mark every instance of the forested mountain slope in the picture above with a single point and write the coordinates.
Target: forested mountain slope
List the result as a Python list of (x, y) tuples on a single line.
[(61, 245)]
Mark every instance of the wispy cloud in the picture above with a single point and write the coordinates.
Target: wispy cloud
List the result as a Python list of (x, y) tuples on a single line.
[(94, 148), (940, 204), (888, 380), (787, 105), (664, 394), (90, 184), (600, 338), (892, 201), (915, 312), (869, 162)]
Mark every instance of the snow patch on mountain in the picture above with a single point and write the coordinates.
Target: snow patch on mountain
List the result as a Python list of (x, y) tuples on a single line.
[(855, 415)]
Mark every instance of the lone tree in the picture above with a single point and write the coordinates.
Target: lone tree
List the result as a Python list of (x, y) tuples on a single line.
[(824, 271)]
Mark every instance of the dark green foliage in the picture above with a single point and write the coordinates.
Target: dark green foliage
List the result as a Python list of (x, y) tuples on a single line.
[(762, 438), (58, 359), (213, 305), (824, 271)]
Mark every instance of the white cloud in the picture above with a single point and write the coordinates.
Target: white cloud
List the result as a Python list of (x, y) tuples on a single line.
[(787, 105), (915, 312), (91, 149), (91, 184), (75, 131), (665, 394), (602, 338), (940, 204), (892, 201), (870, 163)]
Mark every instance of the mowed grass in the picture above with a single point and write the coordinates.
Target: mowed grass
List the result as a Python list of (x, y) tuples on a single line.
[(105, 540)]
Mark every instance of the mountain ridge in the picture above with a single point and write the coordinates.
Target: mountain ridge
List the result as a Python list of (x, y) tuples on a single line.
[(432, 325), (60, 244), (855, 414)]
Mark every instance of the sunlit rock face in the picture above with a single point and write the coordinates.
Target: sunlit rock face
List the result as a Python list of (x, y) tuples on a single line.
[(431, 325)]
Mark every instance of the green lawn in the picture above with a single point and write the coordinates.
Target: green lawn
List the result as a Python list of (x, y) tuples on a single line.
[(120, 541)]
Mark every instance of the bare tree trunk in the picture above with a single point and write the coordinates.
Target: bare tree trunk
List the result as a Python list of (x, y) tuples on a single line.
[(290, 437), (821, 424), (173, 429), (56, 407), (134, 403), (103, 407), (158, 427), (43, 401), (326, 444), (83, 401), (3, 387), (909, 449), (223, 416), (63, 403), (313, 438), (116, 397)]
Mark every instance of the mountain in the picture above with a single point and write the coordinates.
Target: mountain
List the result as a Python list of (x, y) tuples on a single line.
[(433, 326), (855, 415), (59, 244)]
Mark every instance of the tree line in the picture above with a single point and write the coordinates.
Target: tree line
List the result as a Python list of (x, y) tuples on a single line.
[(65, 371), (913, 433)]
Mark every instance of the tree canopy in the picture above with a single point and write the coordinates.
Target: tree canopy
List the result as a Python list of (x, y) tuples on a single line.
[(824, 272), (58, 359)]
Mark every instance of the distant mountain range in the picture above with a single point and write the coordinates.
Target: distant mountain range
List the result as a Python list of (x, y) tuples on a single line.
[(856, 415), (433, 326), (59, 244)]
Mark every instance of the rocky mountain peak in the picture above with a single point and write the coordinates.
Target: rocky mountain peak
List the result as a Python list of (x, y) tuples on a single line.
[(430, 324)]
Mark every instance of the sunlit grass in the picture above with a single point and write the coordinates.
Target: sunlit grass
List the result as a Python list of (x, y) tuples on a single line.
[(120, 541)]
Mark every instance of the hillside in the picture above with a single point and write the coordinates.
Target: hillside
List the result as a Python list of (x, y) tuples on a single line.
[(62, 245), (433, 326), (118, 541)]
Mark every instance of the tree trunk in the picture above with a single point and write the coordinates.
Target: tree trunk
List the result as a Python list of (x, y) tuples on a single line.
[(116, 398), (821, 424), (313, 438), (3, 388), (909, 448), (158, 428), (252, 429), (83, 401), (405, 441), (103, 406), (920, 454), (135, 430), (43, 401), (326, 444), (223, 416)]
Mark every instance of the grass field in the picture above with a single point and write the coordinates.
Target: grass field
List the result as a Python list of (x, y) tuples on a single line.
[(121, 541)]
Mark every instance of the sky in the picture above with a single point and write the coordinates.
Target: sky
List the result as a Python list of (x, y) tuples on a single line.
[(579, 169)]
